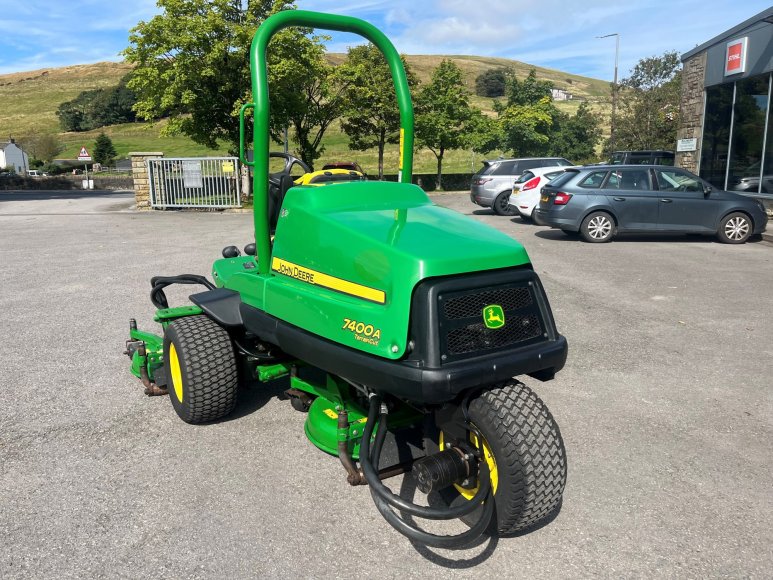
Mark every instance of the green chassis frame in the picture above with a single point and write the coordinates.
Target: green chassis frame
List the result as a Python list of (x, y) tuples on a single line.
[(329, 399)]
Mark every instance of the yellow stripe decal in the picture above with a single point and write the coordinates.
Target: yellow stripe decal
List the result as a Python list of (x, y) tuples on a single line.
[(402, 146), (326, 281)]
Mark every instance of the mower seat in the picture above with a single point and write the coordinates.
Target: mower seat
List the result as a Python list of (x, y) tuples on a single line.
[(276, 195)]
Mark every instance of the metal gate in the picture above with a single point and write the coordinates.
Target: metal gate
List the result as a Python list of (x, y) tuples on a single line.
[(211, 182)]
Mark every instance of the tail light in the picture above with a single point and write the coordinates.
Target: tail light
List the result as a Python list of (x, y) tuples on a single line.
[(531, 184), (562, 198), (481, 180)]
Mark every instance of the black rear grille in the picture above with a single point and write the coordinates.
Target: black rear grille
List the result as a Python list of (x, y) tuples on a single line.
[(463, 332), (476, 337), (471, 305)]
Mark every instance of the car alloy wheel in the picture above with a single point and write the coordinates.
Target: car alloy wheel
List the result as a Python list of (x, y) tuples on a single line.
[(737, 228), (597, 227), (502, 205)]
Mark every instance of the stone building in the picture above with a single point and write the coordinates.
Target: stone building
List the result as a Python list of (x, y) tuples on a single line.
[(726, 134)]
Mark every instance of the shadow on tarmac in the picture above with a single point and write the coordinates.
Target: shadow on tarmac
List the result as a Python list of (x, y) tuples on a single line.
[(558, 235), (17, 195)]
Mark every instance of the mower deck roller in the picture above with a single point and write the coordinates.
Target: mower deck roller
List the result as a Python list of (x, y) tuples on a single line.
[(400, 326)]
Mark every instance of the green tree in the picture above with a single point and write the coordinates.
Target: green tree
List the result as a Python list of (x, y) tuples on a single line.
[(192, 65), (113, 106), (527, 116), (104, 152), (97, 108), (304, 95), (529, 91), (43, 147), (371, 117), (492, 82), (575, 137), (71, 115), (485, 133), (648, 104), (443, 113)]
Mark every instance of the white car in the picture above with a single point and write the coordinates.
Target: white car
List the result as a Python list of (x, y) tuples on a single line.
[(526, 189)]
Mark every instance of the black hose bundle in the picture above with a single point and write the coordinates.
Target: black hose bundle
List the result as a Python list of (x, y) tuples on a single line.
[(157, 296), (385, 500)]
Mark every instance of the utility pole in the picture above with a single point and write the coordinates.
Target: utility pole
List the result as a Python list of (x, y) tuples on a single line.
[(614, 89)]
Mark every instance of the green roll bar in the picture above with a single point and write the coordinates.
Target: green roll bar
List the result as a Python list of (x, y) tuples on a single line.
[(260, 106)]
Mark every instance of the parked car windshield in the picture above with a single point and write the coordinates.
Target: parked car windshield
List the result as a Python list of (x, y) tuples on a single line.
[(553, 174), (526, 176), (563, 178), (486, 169), (504, 168)]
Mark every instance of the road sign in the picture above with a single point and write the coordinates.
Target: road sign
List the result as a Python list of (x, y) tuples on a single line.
[(84, 155)]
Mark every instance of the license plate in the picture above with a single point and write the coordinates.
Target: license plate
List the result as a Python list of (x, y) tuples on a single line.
[(544, 199), (516, 191)]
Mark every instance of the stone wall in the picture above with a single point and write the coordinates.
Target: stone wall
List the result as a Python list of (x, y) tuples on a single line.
[(691, 108), (140, 176)]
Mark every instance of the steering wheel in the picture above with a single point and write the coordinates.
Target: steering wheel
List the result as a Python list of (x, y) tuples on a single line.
[(279, 183), (290, 161)]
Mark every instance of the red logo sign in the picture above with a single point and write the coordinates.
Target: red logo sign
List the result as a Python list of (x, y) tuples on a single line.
[(735, 57), (734, 54)]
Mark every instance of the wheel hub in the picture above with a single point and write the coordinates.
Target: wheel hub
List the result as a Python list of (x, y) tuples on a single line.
[(599, 227), (736, 228)]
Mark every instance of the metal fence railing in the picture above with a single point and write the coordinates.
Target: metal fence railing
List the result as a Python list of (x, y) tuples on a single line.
[(210, 182)]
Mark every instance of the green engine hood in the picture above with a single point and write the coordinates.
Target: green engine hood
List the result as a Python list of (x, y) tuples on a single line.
[(346, 258)]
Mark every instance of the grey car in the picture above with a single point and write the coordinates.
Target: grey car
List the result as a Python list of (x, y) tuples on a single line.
[(601, 201), (492, 185)]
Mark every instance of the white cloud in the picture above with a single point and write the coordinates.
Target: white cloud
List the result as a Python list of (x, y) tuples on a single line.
[(551, 33)]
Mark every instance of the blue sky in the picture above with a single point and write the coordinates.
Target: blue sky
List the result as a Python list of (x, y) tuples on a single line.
[(557, 34)]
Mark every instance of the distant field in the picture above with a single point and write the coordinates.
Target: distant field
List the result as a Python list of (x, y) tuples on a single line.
[(30, 100)]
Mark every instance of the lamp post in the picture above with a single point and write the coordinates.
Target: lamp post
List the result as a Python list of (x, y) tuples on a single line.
[(614, 88)]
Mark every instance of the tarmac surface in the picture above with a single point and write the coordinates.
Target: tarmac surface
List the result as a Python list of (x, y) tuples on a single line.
[(665, 406)]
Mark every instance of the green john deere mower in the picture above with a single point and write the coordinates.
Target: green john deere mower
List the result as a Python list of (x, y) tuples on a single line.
[(401, 326)]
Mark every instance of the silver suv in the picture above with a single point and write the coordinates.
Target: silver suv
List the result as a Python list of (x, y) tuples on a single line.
[(493, 184)]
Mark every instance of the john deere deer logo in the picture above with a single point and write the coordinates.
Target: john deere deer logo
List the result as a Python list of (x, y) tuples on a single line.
[(493, 316)]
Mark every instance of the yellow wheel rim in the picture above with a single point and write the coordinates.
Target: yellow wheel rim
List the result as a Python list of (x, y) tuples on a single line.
[(177, 375), (469, 493)]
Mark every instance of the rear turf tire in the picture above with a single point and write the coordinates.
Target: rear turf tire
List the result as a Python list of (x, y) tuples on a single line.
[(201, 368), (529, 454)]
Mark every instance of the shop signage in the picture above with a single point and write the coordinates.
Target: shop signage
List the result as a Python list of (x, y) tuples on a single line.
[(686, 144), (735, 56)]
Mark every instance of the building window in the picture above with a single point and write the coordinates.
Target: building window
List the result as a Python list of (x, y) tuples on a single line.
[(716, 134), (766, 185), (751, 105)]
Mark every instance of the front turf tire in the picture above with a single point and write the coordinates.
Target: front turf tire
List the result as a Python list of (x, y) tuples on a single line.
[(529, 453), (201, 368)]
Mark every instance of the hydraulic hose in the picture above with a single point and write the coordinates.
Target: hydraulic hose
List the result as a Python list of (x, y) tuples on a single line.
[(385, 499), (157, 296)]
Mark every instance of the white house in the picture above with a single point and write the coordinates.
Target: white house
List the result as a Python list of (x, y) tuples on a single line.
[(12, 155)]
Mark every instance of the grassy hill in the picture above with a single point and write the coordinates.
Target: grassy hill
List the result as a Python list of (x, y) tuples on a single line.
[(30, 100)]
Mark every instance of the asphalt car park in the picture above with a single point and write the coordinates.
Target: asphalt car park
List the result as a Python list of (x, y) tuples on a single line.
[(664, 405)]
